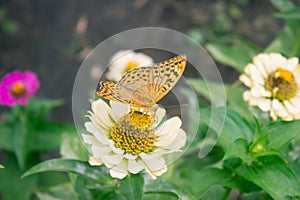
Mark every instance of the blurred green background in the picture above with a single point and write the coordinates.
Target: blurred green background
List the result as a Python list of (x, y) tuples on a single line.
[(52, 38)]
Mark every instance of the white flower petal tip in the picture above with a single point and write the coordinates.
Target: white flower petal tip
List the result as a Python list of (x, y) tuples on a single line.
[(125, 60), (119, 109), (102, 113), (135, 167), (108, 132), (160, 114), (269, 95), (95, 162), (119, 171)]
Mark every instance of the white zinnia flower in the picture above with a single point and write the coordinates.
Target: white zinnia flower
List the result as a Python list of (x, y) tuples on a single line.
[(126, 139), (274, 83), (126, 60)]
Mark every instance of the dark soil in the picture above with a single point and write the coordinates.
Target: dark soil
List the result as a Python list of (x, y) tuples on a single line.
[(48, 42)]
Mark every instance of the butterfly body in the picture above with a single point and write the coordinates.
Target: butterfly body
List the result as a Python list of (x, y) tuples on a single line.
[(144, 86)]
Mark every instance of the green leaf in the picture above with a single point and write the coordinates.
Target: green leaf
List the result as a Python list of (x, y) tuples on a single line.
[(232, 56), (11, 186), (59, 192), (290, 14), (164, 187), (1, 166), (72, 148), (83, 193), (233, 128), (131, 186), (67, 165), (283, 43), (19, 141), (201, 87), (250, 48), (199, 182), (37, 103), (238, 149), (280, 133), (283, 5), (37, 110), (49, 136), (217, 193), (160, 196), (272, 174), (9, 26), (6, 137), (234, 95)]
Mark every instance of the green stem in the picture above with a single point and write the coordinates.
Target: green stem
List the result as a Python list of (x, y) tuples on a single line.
[(296, 43), (226, 194)]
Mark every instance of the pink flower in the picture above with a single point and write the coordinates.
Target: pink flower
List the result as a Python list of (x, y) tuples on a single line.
[(18, 87)]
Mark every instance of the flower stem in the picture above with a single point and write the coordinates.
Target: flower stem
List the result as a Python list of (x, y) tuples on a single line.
[(226, 194), (296, 43)]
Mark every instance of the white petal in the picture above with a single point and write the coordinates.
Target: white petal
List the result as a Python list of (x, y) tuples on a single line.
[(292, 64), (296, 73), (90, 139), (276, 60), (116, 150), (179, 141), (279, 109), (260, 91), (295, 101), (120, 60), (247, 95), (169, 126), (100, 151), (291, 107), (160, 114), (134, 166), (148, 156), (262, 70), (155, 167), (155, 163), (256, 101), (119, 171), (273, 114), (114, 75), (119, 109), (129, 156), (248, 68), (257, 76), (160, 171), (166, 139), (102, 111), (95, 162), (246, 80), (143, 59), (264, 105), (113, 159), (92, 129)]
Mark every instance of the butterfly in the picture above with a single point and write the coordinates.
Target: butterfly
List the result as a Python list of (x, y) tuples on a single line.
[(144, 86)]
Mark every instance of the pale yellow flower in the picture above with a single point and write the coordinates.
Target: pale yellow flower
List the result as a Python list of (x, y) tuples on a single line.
[(126, 60), (274, 83), (128, 140)]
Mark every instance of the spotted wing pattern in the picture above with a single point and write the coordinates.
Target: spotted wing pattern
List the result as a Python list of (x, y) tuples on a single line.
[(108, 90), (165, 75), (144, 86)]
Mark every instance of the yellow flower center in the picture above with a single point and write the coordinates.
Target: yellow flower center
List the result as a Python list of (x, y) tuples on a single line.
[(134, 132), (18, 90), (130, 65), (282, 84)]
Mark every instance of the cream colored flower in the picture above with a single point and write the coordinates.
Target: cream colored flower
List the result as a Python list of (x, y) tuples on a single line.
[(129, 140), (126, 60), (274, 83)]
